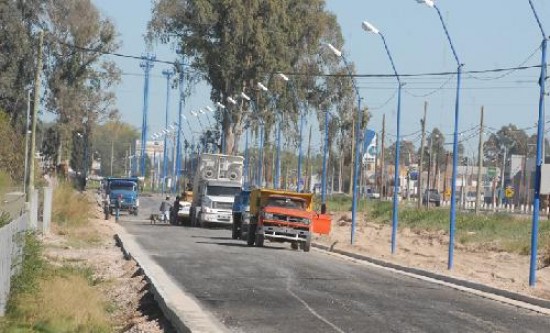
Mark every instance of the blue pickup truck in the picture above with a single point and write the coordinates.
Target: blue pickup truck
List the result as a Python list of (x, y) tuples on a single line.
[(123, 189)]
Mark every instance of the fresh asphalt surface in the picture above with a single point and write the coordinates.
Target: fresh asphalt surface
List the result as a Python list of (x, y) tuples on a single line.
[(276, 289)]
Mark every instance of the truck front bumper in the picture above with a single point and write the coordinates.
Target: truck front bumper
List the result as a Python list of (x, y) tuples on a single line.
[(284, 233), (225, 218)]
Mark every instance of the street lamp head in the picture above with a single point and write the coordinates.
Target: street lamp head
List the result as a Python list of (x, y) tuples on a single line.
[(194, 113), (220, 105), (168, 72), (245, 96), (282, 76), (261, 86), (209, 109), (429, 3), (334, 50), (231, 100), (201, 111), (184, 117), (369, 27)]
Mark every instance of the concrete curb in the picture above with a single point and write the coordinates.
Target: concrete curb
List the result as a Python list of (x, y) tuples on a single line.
[(180, 308), (504, 296)]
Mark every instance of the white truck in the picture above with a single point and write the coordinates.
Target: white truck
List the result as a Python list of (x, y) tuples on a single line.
[(218, 178)]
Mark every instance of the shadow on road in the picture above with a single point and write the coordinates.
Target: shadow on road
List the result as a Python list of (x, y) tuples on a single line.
[(212, 238), (239, 245)]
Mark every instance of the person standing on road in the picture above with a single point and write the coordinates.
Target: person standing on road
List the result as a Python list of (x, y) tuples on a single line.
[(175, 210), (165, 209)]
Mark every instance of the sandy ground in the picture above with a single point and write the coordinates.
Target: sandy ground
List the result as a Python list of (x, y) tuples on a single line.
[(430, 252), (122, 284)]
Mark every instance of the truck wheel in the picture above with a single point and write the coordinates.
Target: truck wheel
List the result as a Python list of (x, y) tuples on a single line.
[(234, 231), (236, 228), (251, 239), (200, 222), (306, 245), (136, 212), (192, 218), (260, 240), (294, 245)]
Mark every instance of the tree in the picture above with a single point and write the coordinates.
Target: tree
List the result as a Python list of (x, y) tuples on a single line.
[(406, 153), (78, 79), (509, 137), (113, 142), (17, 56), (234, 44)]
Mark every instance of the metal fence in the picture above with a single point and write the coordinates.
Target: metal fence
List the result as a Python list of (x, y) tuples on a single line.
[(11, 254)]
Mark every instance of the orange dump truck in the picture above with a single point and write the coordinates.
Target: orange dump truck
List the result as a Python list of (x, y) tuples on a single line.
[(284, 216)]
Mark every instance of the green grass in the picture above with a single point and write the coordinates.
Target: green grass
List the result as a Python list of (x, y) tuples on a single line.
[(498, 232), (45, 298)]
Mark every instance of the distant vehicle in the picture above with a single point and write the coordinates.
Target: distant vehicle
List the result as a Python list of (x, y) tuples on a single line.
[(371, 194), (127, 189), (431, 196), (183, 212), (218, 179), (471, 196)]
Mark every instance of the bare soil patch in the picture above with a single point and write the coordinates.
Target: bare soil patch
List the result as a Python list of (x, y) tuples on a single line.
[(131, 305), (429, 251)]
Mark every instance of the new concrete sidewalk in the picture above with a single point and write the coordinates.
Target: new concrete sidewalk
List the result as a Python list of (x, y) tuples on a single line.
[(180, 308)]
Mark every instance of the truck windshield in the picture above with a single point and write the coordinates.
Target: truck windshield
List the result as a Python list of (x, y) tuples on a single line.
[(222, 191), (123, 187), (286, 203)]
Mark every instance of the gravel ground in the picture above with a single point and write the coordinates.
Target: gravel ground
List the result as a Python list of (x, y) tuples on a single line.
[(121, 282)]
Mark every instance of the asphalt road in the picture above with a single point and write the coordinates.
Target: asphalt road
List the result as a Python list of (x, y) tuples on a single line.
[(276, 289)]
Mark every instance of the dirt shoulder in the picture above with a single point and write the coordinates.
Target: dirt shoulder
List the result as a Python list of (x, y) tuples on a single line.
[(131, 306), (429, 251)]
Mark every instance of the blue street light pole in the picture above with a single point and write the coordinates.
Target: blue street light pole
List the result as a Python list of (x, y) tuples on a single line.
[(276, 184), (452, 222), (147, 65), (370, 28), (262, 134), (540, 160), (358, 121), (246, 158), (178, 135), (168, 73), (324, 179), (261, 157)]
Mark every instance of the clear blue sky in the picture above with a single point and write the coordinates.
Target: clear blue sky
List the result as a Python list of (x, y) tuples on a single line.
[(487, 34)]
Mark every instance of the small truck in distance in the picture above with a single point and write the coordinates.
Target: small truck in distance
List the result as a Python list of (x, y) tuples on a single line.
[(284, 216)]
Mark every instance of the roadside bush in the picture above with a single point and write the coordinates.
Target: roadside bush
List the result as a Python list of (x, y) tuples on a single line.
[(70, 208)]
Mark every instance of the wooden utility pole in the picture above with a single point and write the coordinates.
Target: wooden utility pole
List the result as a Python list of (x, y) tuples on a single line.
[(479, 164), (383, 159), (422, 147), (37, 74)]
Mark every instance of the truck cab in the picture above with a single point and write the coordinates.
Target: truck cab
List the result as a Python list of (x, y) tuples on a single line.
[(124, 188)]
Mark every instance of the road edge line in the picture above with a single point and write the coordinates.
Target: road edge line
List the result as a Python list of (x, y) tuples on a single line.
[(511, 298), (181, 309)]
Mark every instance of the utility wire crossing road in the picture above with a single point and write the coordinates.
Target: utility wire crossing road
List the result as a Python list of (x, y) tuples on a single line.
[(276, 289)]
